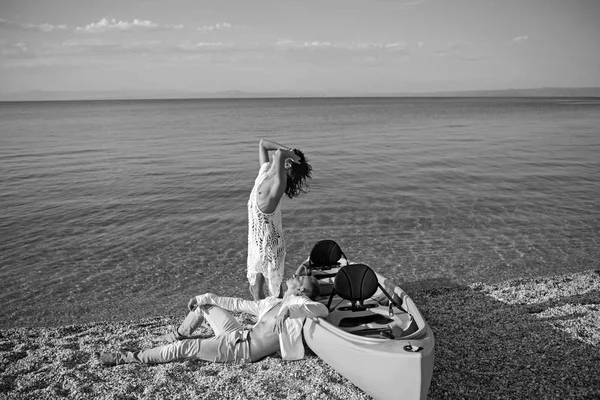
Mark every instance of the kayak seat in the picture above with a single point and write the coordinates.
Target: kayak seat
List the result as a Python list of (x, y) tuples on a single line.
[(326, 254), (355, 283)]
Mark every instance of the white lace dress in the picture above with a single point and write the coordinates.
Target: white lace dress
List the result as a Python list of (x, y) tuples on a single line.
[(266, 246)]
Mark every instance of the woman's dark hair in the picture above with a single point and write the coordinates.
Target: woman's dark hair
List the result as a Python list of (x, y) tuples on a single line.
[(297, 176)]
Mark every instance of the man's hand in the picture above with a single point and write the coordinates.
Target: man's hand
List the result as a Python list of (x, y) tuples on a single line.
[(198, 301), (302, 270), (280, 320), (192, 304)]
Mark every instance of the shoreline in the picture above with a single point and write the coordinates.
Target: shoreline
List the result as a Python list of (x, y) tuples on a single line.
[(140, 308), (522, 338)]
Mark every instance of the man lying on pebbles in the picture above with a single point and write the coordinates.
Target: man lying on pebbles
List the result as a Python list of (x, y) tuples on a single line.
[(279, 328)]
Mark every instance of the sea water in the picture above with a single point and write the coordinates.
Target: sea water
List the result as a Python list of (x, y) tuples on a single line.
[(115, 210)]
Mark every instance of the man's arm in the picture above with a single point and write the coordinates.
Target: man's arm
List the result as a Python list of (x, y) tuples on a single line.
[(301, 309), (308, 309), (303, 269), (227, 303)]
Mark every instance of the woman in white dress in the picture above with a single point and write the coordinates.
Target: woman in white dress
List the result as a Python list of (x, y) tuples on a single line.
[(286, 173)]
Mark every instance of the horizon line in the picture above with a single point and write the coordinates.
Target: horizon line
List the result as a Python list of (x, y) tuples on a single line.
[(177, 94)]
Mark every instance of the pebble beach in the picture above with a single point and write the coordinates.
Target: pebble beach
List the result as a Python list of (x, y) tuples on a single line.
[(519, 339)]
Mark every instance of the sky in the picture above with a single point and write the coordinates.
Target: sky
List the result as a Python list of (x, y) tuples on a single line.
[(323, 46)]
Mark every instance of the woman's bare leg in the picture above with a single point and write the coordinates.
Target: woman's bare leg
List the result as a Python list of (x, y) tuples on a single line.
[(257, 290)]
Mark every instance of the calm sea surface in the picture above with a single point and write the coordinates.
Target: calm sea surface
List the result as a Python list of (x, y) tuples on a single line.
[(114, 210)]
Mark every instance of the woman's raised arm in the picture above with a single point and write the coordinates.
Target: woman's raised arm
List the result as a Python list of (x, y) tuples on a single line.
[(264, 146)]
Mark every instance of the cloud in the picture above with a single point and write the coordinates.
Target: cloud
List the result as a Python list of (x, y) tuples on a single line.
[(336, 53), (103, 25), (290, 45), (215, 27), (316, 52), (81, 51), (17, 49), (113, 24), (518, 39), (91, 43), (457, 49), (411, 3), (78, 49), (457, 55), (404, 3), (201, 46), (106, 25), (350, 46), (27, 26)]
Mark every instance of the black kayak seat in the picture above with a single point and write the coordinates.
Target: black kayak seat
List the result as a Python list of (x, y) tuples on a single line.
[(357, 283), (325, 254)]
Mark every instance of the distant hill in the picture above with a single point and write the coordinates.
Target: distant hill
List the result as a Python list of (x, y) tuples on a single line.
[(41, 95), (540, 92)]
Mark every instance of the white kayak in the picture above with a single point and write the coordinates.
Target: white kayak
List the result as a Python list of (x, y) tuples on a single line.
[(374, 335)]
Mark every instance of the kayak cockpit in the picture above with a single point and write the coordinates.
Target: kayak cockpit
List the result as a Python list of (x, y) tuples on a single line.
[(359, 304), (374, 320)]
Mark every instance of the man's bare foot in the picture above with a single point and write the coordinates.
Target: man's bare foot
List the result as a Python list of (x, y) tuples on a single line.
[(111, 359)]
